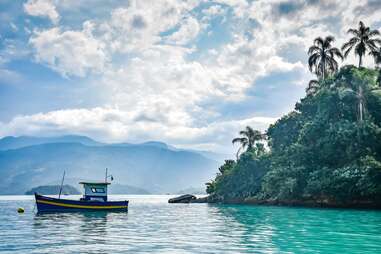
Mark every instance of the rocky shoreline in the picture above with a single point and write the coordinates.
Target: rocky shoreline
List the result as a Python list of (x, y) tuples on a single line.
[(293, 203)]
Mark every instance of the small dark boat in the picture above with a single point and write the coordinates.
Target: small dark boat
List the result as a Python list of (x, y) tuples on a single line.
[(94, 199)]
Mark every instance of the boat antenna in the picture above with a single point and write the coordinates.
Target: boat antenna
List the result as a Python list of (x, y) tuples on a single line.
[(63, 178), (107, 176)]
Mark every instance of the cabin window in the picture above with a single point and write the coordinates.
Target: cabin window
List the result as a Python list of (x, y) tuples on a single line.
[(98, 190)]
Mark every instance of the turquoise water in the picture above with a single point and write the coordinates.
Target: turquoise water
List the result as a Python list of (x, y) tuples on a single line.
[(153, 225)]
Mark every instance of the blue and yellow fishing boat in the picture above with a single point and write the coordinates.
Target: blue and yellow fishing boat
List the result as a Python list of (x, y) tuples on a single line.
[(94, 199)]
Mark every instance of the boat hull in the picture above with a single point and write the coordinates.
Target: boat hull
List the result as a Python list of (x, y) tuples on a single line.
[(48, 204)]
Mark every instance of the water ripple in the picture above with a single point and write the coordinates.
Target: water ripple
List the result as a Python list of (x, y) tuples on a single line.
[(153, 225)]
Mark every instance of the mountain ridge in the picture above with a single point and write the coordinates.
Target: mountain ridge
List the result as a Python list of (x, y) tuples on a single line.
[(149, 166)]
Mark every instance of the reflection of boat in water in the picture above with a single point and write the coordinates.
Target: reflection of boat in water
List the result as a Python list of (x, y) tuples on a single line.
[(94, 199)]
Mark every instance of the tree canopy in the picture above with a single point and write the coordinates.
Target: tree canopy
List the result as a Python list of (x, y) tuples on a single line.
[(319, 152), (328, 149)]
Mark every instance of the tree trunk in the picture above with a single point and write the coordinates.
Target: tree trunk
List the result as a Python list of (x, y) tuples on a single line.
[(323, 70), (361, 105), (238, 153), (360, 61)]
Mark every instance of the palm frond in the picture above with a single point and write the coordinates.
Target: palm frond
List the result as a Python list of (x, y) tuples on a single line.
[(327, 42), (354, 32), (376, 41), (313, 49), (348, 49), (313, 58), (249, 130), (335, 52), (376, 55), (333, 66), (245, 134), (329, 39), (238, 140), (374, 33), (348, 44), (319, 41), (361, 25), (370, 47)]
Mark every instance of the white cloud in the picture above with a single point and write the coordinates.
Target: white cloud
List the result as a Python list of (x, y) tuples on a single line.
[(214, 10), (240, 7), (188, 30), (139, 25), (157, 85), (156, 92), (44, 8), (240, 63), (285, 22), (114, 125), (71, 53), (161, 85)]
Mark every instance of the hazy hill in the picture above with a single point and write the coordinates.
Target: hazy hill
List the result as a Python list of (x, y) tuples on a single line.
[(53, 190), (24, 141), (150, 167), (126, 189)]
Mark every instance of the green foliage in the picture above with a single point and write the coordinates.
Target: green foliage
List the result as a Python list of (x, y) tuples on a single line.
[(228, 165), (248, 140), (210, 187), (240, 179), (318, 152)]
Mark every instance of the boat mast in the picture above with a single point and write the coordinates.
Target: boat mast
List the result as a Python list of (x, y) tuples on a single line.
[(106, 176), (63, 177)]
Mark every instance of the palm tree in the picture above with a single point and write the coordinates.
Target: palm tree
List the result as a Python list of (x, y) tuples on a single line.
[(210, 187), (322, 55), (363, 40), (312, 87), (377, 59), (358, 86), (248, 138)]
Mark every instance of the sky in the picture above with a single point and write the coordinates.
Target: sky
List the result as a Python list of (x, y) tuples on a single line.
[(188, 73)]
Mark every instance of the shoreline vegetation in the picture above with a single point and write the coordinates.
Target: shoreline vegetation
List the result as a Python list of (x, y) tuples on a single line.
[(327, 151)]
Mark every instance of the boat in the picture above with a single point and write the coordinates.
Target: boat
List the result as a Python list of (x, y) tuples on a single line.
[(94, 199)]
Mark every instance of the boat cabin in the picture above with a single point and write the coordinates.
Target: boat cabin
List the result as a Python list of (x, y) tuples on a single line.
[(95, 191)]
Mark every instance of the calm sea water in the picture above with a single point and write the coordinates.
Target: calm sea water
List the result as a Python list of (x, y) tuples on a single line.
[(153, 225)]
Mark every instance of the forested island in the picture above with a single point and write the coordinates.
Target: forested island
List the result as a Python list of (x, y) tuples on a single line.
[(327, 151)]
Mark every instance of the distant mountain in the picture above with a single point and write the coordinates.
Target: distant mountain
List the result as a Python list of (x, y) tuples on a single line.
[(156, 144), (126, 189), (11, 142), (220, 157), (53, 190), (24, 141), (148, 143), (192, 190), (149, 167)]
